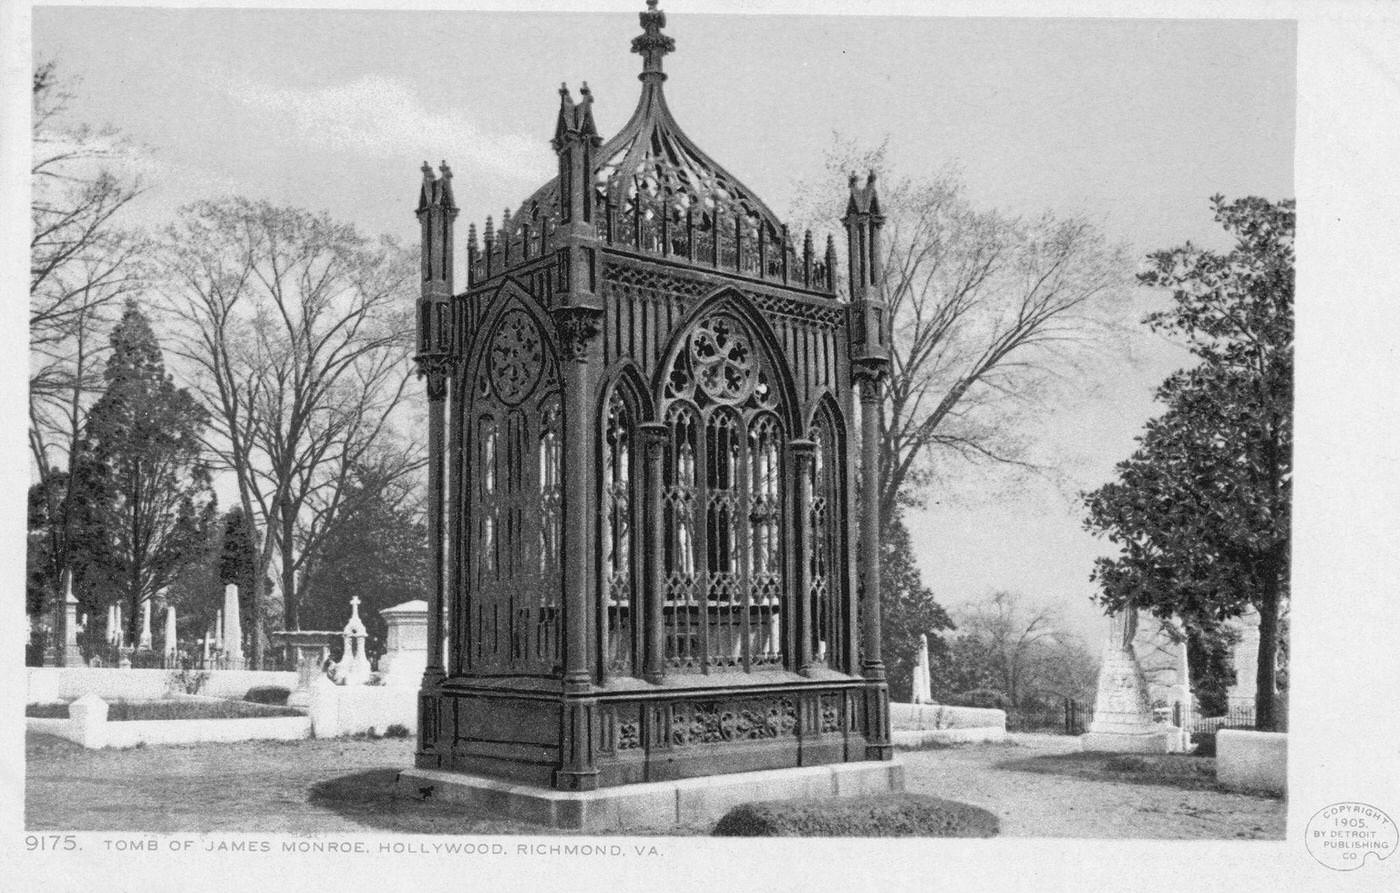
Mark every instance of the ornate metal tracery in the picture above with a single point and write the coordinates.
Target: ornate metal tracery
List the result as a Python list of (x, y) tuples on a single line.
[(516, 473)]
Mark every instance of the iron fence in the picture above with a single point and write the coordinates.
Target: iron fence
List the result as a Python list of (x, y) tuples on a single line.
[(1069, 717), (1238, 715)]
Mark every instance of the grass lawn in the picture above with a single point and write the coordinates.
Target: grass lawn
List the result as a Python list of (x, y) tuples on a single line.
[(1184, 771), (1041, 786)]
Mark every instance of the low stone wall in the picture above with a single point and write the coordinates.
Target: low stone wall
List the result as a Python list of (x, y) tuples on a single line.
[(918, 725), (87, 724), (49, 684), (351, 709), (1252, 761), (939, 716)]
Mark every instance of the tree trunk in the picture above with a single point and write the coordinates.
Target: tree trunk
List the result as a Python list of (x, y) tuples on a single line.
[(289, 581), (1265, 696), (1266, 675)]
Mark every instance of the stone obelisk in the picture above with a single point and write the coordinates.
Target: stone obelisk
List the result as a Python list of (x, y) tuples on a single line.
[(1122, 710), (172, 643), (72, 654), (144, 643), (233, 628), (923, 692)]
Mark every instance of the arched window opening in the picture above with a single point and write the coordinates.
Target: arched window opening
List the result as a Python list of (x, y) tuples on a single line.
[(724, 528), (550, 504), (680, 613), (620, 614), (765, 556), (823, 548), (723, 505), (513, 619), (487, 509)]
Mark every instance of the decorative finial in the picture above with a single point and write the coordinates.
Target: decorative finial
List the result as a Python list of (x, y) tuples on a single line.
[(652, 44), (446, 171), (427, 172)]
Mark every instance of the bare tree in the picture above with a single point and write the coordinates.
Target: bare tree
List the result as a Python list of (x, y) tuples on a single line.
[(987, 311), (1014, 642), (298, 335), (81, 265)]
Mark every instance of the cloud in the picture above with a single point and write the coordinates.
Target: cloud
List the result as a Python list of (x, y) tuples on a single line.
[(384, 117)]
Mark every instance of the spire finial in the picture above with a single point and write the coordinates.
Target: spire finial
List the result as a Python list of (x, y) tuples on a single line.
[(652, 44)]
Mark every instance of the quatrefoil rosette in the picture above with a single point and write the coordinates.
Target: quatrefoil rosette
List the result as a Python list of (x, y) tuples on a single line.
[(517, 357)]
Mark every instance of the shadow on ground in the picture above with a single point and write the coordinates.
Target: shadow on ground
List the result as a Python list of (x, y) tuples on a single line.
[(1182, 771), (368, 798)]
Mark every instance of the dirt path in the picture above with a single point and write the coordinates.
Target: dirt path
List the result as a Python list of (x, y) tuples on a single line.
[(1050, 804), (338, 786)]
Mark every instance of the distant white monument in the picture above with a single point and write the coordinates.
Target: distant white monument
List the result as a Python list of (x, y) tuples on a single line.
[(172, 644), (354, 668), (1123, 720), (144, 643), (72, 654), (923, 692), (233, 628), (406, 654)]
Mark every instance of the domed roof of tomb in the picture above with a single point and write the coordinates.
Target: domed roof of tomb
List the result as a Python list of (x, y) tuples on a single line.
[(651, 157)]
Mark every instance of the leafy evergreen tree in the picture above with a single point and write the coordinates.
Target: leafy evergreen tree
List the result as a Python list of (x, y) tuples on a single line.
[(1201, 510), (378, 550), (140, 462), (238, 563), (908, 610)]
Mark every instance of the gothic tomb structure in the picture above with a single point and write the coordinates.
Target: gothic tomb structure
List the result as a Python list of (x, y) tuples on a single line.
[(643, 465)]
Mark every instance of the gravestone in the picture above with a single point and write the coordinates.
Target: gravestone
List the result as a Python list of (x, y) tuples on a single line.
[(406, 654), (1123, 720)]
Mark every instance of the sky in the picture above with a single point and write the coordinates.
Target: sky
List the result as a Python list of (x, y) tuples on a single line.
[(1134, 123)]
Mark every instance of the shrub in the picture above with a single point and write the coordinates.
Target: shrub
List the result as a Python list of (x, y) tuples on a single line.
[(396, 730), (268, 694), (191, 682), (898, 815), (56, 710)]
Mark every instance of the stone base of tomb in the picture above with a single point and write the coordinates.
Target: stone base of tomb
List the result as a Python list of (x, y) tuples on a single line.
[(651, 804), (1152, 739)]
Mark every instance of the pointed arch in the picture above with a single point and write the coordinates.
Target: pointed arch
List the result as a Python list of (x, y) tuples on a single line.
[(511, 295), (826, 549), (729, 301), (624, 404), (511, 487)]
